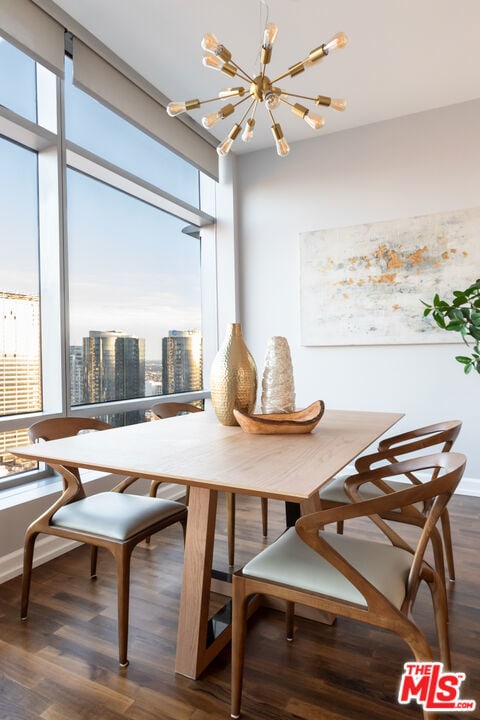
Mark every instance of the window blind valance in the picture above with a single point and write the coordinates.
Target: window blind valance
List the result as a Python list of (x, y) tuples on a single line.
[(106, 84), (34, 32)]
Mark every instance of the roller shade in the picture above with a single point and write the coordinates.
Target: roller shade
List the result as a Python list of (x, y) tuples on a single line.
[(106, 84), (33, 31)]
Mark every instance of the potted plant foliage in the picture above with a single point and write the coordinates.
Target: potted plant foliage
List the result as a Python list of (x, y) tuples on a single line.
[(461, 315)]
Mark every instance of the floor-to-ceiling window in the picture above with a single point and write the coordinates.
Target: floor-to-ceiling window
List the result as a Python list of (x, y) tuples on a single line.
[(20, 377), (102, 264)]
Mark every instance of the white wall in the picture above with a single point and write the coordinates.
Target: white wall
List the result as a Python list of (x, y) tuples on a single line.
[(416, 165)]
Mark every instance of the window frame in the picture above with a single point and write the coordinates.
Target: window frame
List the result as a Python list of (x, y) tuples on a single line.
[(55, 154)]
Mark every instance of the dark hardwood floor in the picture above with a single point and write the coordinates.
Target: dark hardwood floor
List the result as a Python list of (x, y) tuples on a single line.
[(62, 663)]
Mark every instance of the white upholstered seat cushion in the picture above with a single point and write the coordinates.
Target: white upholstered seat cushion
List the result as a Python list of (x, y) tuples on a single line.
[(290, 561), (334, 491), (115, 515)]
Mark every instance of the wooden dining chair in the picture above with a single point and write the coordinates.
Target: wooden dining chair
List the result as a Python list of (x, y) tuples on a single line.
[(438, 437), (171, 409), (114, 520), (374, 582)]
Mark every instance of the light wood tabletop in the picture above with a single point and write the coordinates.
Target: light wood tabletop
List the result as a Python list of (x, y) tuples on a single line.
[(198, 451)]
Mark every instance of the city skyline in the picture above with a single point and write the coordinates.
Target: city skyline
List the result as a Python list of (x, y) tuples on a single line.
[(20, 374), (110, 365)]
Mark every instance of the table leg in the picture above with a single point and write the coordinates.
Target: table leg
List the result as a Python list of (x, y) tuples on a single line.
[(292, 513), (294, 510), (191, 656)]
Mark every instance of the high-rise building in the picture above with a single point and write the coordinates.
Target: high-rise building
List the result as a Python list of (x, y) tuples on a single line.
[(114, 366), (20, 376), (77, 395), (181, 361)]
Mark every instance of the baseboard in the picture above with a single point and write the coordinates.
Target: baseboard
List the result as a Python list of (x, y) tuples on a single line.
[(46, 548), (469, 486)]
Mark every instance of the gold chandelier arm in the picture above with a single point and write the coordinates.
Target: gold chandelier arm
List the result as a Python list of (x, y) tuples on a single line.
[(242, 101), (254, 109), (315, 99), (323, 100), (292, 71), (254, 102), (232, 92), (335, 43), (224, 97), (271, 115), (314, 121), (286, 102), (299, 110), (241, 72)]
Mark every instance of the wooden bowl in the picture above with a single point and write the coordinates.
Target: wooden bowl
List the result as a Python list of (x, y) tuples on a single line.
[(301, 421)]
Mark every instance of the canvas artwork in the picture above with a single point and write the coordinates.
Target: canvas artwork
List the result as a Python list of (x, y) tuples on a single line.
[(363, 285)]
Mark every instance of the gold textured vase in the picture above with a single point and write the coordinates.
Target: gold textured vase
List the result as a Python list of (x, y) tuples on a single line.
[(233, 381)]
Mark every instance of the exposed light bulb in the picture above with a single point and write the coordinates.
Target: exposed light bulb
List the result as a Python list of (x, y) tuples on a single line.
[(211, 45), (338, 103), (336, 42), (224, 147), (248, 132), (209, 42), (269, 35), (212, 61), (216, 63), (176, 108), (229, 92), (272, 101), (315, 121), (282, 145), (211, 119), (214, 117)]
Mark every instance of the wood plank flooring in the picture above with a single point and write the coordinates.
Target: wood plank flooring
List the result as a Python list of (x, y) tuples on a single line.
[(62, 663)]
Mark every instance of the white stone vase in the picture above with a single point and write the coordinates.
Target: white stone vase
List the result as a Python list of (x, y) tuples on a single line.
[(278, 389)]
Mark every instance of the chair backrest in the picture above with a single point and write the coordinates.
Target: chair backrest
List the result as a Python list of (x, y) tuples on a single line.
[(447, 467), (63, 427), (438, 437), (427, 436), (171, 409)]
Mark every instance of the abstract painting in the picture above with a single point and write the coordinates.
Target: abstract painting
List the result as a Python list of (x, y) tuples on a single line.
[(363, 285)]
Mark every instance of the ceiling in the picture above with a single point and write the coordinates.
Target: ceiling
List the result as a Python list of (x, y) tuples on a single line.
[(403, 56)]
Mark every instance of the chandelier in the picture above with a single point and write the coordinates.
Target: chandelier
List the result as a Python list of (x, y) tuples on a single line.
[(260, 89)]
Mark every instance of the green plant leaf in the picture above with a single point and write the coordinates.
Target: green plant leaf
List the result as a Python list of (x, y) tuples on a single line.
[(454, 325), (438, 317), (461, 315)]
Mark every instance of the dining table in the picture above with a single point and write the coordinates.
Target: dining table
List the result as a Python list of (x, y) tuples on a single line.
[(196, 450)]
